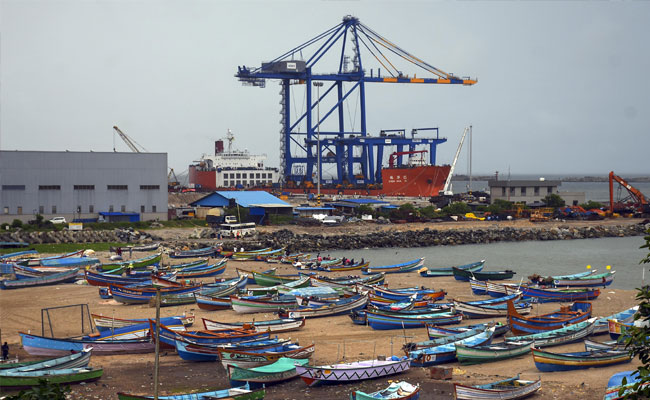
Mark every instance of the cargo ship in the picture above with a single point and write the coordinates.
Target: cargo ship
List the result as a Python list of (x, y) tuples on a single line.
[(231, 169), (234, 169)]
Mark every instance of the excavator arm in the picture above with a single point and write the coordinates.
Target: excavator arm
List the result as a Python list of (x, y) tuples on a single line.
[(639, 198)]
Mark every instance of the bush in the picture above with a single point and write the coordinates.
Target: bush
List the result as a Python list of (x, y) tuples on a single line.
[(17, 224), (590, 205), (365, 209), (457, 208), (280, 219), (554, 200), (44, 391)]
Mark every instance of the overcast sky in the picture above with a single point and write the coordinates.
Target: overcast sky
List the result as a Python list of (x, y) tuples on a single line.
[(562, 87)]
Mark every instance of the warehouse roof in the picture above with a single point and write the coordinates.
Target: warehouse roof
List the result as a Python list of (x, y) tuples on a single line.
[(253, 198)]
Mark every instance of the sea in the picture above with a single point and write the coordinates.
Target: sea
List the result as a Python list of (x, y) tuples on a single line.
[(553, 257)]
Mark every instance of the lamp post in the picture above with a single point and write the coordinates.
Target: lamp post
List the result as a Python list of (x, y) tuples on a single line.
[(318, 167)]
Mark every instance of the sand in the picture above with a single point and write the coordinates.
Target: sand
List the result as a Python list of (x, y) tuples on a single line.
[(336, 339)]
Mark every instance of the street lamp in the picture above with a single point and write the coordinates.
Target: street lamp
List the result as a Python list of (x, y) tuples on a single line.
[(318, 166)]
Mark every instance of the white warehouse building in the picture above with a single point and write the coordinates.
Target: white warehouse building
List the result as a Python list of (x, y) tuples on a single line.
[(83, 186)]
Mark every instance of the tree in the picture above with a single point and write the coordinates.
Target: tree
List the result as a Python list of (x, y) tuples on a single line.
[(499, 206), (44, 391), (365, 209), (637, 339), (554, 200), (590, 205), (457, 208), (16, 223)]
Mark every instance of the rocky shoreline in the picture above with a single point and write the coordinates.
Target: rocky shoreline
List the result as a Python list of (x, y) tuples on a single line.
[(311, 242), (432, 237)]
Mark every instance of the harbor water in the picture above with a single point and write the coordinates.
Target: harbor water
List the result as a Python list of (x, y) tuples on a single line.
[(554, 257)]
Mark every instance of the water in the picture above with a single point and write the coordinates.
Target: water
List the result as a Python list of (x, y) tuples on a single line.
[(555, 257), (595, 191)]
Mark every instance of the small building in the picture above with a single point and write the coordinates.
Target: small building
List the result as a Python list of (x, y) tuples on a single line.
[(309, 212), (260, 204), (526, 191), (349, 206)]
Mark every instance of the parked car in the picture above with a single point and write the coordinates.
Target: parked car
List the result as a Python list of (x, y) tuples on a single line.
[(58, 220)]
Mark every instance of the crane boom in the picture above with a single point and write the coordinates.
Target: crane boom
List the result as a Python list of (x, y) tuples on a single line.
[(635, 193), (129, 142), (445, 190)]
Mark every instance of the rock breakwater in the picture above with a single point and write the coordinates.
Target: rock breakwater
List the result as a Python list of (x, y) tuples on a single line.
[(432, 237)]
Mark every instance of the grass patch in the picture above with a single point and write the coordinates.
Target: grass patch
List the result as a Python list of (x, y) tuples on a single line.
[(64, 247)]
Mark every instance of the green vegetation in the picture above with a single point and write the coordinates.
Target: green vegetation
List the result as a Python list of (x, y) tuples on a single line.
[(44, 391), (457, 208), (65, 247), (591, 205), (554, 200), (280, 219), (499, 206), (365, 210), (637, 338)]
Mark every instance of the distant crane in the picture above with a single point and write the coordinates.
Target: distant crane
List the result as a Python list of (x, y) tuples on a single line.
[(446, 189), (640, 203), (129, 141)]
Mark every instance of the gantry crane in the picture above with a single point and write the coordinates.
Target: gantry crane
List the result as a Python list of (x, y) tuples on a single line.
[(345, 147)]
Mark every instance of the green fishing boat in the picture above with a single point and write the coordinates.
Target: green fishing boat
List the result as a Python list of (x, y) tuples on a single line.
[(22, 380), (140, 263), (238, 393), (272, 280), (281, 370), (492, 352)]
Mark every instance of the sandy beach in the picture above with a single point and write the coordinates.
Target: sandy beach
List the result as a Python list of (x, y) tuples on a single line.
[(337, 339)]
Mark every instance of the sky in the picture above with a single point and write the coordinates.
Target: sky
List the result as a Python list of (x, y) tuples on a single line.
[(562, 86)]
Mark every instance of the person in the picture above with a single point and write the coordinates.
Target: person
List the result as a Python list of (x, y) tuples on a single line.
[(362, 262), (241, 249), (130, 251), (5, 351), (119, 251)]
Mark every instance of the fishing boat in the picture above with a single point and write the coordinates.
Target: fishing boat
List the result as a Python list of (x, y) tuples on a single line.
[(144, 247), (437, 341), (617, 328), (625, 317), (435, 331), (343, 267), (383, 321), (578, 311), (409, 293), (29, 262), (395, 391), (507, 389), (76, 360), (43, 346), (211, 303), (45, 280), (282, 370), (195, 352), (491, 352), (565, 295), (23, 380), (274, 325), (105, 280), (267, 280), (465, 275), (548, 280), (592, 345), (350, 372), (547, 361), (255, 304), (489, 310), (104, 323), (444, 353), (140, 263), (556, 337), (448, 271), (236, 393), (347, 282), (407, 266), (259, 357), (617, 390), (202, 252), (169, 336), (142, 295), (342, 306), (604, 279), (202, 272)]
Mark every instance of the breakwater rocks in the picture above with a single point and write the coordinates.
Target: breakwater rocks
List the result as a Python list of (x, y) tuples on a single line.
[(86, 236), (432, 237)]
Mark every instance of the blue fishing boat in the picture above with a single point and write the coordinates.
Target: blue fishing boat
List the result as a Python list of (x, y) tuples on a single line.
[(382, 321), (447, 352), (202, 252), (137, 295), (45, 280), (396, 268), (547, 361)]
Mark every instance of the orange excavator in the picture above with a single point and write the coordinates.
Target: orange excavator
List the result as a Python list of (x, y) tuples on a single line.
[(637, 204)]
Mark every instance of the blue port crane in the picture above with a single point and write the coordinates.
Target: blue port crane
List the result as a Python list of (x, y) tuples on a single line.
[(316, 146)]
